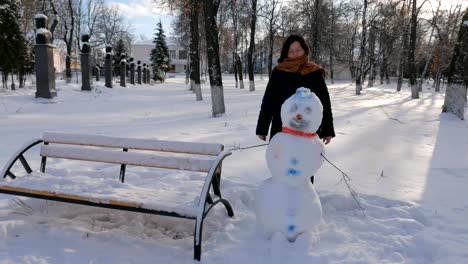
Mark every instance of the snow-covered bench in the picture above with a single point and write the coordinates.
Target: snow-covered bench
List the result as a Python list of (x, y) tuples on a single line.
[(109, 193)]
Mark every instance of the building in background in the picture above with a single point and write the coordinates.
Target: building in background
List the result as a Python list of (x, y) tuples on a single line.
[(141, 50)]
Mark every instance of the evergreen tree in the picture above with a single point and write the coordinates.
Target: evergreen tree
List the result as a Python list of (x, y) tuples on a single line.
[(13, 49), (160, 60), (119, 49)]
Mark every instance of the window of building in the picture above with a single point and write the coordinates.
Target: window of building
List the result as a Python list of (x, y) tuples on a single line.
[(172, 54), (182, 54)]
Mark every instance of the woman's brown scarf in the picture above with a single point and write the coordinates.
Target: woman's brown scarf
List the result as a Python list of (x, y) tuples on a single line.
[(300, 65)]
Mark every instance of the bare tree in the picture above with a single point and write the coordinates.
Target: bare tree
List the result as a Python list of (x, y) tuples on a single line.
[(111, 27), (270, 13), (235, 32), (430, 52), (66, 13), (362, 50), (404, 21)]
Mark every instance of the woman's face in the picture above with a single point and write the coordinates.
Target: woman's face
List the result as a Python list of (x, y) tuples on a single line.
[(295, 50)]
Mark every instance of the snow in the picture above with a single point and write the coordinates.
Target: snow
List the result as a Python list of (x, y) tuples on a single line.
[(40, 16), (133, 143), (407, 161), (42, 31)]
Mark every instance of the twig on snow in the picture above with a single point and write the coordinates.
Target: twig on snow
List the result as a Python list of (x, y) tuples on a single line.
[(28, 210), (346, 180), (391, 118)]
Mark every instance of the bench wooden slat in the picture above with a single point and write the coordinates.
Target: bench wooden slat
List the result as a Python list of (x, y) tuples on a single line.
[(70, 196), (129, 158), (132, 143)]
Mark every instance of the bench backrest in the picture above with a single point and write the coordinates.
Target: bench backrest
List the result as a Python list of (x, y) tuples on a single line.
[(79, 149)]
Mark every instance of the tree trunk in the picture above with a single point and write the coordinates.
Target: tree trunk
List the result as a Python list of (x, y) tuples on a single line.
[(404, 42), (212, 50), (332, 43), (457, 74), (253, 22), (382, 64), (412, 48), (235, 42), (359, 71), (68, 39), (4, 80), (372, 38), (55, 21), (437, 81), (239, 70), (13, 87), (315, 52), (234, 66), (428, 60), (270, 53), (21, 80), (68, 73), (352, 67), (195, 51)]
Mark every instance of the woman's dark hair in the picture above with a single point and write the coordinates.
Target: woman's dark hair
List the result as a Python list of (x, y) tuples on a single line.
[(287, 43)]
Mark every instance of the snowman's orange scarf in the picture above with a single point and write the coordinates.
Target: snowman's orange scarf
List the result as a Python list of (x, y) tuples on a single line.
[(299, 133), (300, 65)]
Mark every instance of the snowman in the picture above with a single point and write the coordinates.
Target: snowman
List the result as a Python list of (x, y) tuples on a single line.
[(287, 203)]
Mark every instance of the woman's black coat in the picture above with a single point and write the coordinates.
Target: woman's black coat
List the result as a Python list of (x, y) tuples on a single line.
[(280, 87)]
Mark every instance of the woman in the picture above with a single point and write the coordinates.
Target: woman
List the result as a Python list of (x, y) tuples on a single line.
[(293, 71)]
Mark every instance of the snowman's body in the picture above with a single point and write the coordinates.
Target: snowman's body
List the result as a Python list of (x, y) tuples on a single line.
[(287, 202)]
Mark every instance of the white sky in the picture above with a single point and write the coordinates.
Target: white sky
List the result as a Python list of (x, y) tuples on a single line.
[(143, 15)]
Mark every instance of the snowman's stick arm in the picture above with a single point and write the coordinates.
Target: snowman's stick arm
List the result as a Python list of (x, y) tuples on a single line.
[(249, 147)]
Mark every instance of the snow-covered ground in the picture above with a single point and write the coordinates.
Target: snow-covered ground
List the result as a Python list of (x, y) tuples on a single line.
[(407, 161)]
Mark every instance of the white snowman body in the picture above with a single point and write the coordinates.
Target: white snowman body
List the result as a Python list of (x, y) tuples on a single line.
[(287, 202)]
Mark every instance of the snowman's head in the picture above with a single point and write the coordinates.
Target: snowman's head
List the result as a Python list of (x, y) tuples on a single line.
[(302, 111)]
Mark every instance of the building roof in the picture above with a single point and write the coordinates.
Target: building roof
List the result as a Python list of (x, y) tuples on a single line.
[(170, 41)]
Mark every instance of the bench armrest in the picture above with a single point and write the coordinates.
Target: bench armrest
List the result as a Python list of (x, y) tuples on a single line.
[(206, 187), (17, 155)]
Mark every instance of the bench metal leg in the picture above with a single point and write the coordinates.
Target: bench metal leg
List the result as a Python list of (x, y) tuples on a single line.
[(197, 238), (228, 207), (25, 164), (43, 164), (209, 199), (122, 169)]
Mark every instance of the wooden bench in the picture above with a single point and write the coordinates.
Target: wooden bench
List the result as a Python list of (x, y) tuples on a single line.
[(197, 157)]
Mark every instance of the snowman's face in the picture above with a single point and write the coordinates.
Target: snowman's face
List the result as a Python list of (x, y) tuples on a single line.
[(302, 113), (299, 117)]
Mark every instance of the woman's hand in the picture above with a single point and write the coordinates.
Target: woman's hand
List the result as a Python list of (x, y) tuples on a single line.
[(262, 137), (326, 140)]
